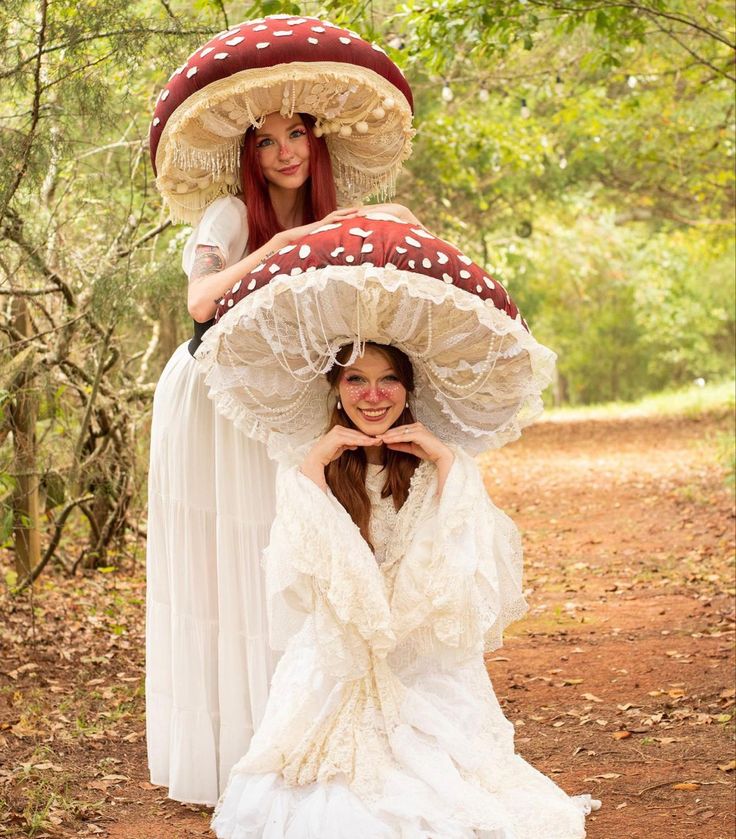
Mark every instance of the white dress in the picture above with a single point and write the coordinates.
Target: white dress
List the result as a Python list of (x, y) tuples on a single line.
[(382, 723), (211, 502)]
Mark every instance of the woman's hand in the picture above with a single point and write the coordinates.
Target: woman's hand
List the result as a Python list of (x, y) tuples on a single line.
[(286, 237), (399, 210), (418, 440), (329, 447)]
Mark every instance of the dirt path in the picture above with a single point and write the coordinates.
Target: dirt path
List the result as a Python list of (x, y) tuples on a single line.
[(619, 682)]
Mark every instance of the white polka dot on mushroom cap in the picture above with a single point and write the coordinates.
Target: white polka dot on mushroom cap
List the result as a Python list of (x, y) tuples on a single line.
[(259, 28), (345, 41), (312, 41), (442, 258), (252, 284), (263, 45), (413, 242), (236, 288), (319, 29), (156, 121), (282, 33), (206, 51), (219, 56), (233, 42), (447, 278), (304, 251), (465, 274), (192, 71), (400, 249), (412, 264), (274, 269), (466, 260), (489, 282)]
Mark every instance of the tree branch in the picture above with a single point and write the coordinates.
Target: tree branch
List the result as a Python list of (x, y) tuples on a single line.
[(22, 165), (54, 543)]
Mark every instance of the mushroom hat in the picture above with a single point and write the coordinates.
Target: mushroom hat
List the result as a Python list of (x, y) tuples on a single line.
[(478, 370), (357, 95)]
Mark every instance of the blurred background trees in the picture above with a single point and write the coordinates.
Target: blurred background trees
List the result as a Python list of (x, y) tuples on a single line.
[(583, 151)]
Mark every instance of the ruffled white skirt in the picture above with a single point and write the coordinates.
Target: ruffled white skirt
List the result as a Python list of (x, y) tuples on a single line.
[(211, 496), (450, 773)]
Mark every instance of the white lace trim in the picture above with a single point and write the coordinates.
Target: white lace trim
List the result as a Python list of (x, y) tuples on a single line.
[(479, 374)]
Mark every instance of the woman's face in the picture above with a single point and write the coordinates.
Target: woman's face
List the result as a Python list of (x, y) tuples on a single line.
[(371, 394), (283, 150)]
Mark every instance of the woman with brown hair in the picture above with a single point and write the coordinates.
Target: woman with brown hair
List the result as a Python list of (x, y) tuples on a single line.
[(381, 722)]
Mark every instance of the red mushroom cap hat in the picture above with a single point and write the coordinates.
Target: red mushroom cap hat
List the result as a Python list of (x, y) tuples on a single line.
[(478, 371), (359, 98)]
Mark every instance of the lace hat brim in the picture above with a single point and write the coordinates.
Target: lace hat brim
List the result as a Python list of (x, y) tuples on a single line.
[(359, 98)]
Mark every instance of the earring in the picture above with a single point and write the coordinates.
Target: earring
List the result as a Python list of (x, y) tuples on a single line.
[(339, 405)]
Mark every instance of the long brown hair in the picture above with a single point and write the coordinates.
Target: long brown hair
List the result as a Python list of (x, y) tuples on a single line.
[(320, 198), (345, 476)]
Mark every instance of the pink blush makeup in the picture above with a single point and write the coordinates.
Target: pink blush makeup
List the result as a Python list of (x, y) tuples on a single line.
[(361, 392)]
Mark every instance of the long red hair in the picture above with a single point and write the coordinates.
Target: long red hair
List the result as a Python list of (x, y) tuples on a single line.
[(320, 197), (345, 476)]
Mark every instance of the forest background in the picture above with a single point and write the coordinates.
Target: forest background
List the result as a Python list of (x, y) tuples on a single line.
[(581, 150)]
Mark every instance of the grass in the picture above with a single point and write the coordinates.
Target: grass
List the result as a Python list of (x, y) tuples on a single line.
[(689, 401)]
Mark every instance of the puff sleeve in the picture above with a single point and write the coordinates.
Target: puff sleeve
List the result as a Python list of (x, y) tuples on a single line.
[(224, 224)]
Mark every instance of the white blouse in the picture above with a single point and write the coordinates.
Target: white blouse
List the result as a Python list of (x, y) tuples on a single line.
[(383, 511)]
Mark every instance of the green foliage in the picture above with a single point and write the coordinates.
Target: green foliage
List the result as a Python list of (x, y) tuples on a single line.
[(582, 151)]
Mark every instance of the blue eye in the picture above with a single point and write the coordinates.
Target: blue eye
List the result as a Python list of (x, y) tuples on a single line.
[(391, 378), (354, 378), (298, 132), (262, 143)]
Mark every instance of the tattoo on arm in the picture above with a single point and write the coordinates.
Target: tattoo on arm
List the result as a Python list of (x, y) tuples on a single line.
[(207, 260)]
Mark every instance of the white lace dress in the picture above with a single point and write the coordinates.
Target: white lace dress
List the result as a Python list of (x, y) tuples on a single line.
[(381, 722)]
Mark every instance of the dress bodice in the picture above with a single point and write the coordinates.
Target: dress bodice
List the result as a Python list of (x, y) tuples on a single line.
[(383, 512)]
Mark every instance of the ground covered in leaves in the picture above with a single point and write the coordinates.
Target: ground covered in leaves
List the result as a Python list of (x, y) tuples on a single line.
[(619, 682)]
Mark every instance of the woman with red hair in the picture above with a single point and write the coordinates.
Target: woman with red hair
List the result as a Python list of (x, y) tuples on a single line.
[(256, 140)]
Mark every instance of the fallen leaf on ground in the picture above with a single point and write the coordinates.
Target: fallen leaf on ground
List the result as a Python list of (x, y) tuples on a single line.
[(687, 787)]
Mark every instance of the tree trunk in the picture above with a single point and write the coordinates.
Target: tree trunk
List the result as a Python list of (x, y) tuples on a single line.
[(26, 507), (169, 335)]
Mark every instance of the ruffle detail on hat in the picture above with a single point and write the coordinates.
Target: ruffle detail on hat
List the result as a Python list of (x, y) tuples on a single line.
[(478, 373), (366, 122)]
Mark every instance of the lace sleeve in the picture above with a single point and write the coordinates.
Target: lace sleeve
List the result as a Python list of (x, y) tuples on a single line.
[(462, 571), (318, 564)]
